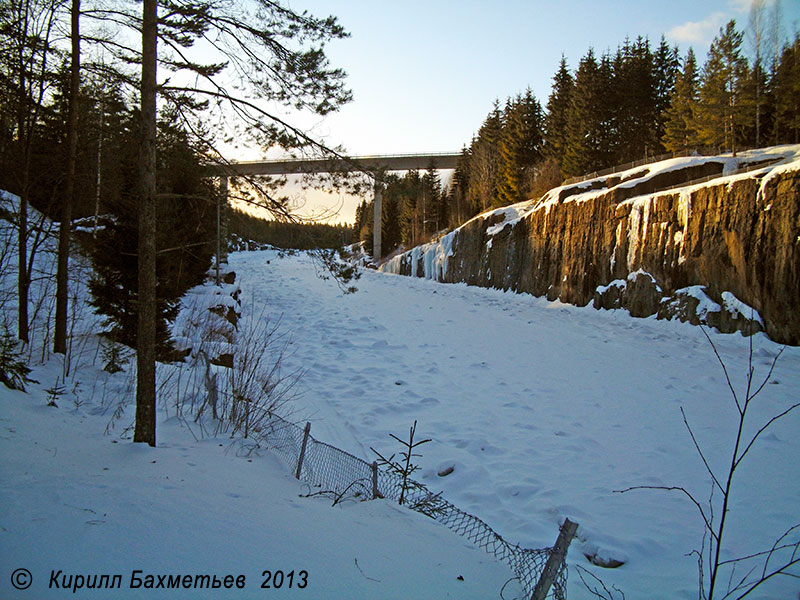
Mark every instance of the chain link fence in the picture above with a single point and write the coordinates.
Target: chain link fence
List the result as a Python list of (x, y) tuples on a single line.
[(340, 475)]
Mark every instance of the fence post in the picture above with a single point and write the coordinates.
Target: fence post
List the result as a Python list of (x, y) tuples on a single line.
[(302, 450), (556, 559), (375, 492)]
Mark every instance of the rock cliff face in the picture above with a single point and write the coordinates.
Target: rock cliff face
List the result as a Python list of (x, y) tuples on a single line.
[(648, 240)]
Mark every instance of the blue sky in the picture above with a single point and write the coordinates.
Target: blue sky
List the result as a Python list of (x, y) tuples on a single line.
[(424, 74)]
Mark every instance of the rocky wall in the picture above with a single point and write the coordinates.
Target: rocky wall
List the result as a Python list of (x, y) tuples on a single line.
[(738, 235)]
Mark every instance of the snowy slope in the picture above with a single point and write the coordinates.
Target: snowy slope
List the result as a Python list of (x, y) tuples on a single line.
[(544, 410), (78, 499)]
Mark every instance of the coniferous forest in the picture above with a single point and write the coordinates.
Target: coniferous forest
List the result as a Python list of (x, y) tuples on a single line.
[(639, 102)]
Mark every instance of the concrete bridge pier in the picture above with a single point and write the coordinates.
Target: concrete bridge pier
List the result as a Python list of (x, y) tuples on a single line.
[(222, 199), (377, 216)]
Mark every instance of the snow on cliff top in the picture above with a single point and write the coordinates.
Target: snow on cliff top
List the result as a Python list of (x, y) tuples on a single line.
[(787, 159)]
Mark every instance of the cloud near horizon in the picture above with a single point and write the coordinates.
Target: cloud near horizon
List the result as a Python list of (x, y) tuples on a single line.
[(698, 32)]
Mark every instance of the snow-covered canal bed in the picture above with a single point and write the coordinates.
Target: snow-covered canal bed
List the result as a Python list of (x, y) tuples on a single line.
[(543, 410)]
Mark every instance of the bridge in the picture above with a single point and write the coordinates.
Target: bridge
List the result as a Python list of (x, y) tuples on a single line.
[(344, 164), (375, 166)]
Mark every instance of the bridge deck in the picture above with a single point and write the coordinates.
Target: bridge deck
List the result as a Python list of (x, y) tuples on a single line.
[(396, 162)]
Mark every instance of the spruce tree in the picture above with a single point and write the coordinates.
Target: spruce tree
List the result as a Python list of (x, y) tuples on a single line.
[(555, 124), (786, 86), (721, 110), (185, 229), (391, 237), (485, 161), (410, 221), (667, 65), (459, 206), (635, 90), (520, 147), (590, 118), (680, 130)]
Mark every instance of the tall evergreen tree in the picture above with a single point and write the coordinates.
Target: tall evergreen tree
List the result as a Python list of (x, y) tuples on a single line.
[(430, 199), (590, 118), (360, 220), (146, 293), (786, 86), (410, 213), (485, 161), (392, 235), (635, 89), (757, 28), (721, 109), (460, 207), (680, 131), (667, 65), (520, 147), (555, 124)]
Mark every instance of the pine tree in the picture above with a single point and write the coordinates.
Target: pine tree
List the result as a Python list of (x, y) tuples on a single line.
[(146, 292), (721, 110), (680, 130), (62, 274)]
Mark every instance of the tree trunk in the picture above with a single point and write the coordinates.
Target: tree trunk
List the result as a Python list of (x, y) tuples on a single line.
[(23, 136), (145, 430), (62, 271)]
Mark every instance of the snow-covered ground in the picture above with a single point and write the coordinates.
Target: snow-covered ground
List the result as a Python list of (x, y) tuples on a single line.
[(543, 410)]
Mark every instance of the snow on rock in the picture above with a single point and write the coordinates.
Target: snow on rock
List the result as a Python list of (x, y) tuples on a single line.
[(696, 305), (207, 321), (428, 260), (711, 221), (737, 308), (639, 293)]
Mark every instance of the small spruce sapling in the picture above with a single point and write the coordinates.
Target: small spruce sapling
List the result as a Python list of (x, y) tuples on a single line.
[(114, 358), (405, 467), (54, 393), (13, 370)]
